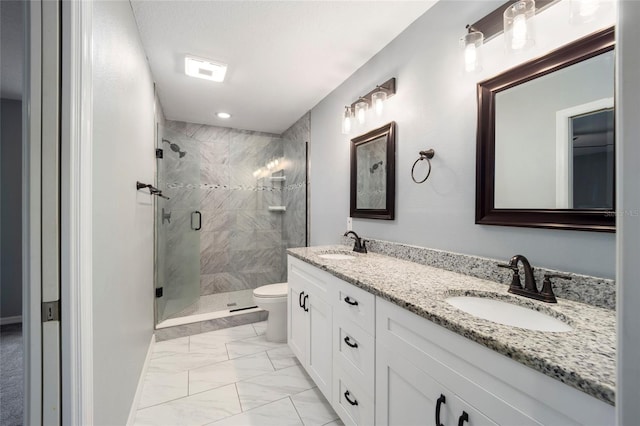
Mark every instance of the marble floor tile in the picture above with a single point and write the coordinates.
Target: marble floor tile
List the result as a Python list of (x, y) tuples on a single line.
[(279, 413), (250, 346), (184, 362), (195, 410), (170, 347), (163, 387), (260, 327), (223, 335), (223, 373), (282, 357), (313, 408), (271, 387)]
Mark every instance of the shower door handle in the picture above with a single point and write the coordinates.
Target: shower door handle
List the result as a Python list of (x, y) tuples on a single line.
[(199, 227)]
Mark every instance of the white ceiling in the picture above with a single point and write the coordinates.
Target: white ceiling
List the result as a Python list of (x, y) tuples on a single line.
[(284, 56)]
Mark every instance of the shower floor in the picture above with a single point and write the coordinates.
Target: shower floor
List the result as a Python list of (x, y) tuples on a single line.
[(213, 306)]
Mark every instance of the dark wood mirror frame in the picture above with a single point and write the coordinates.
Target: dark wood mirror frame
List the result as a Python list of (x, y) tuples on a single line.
[(601, 220), (388, 131)]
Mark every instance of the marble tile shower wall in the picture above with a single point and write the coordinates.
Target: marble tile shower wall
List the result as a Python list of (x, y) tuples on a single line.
[(241, 242)]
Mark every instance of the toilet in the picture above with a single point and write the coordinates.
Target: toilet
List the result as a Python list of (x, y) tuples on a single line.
[(273, 299)]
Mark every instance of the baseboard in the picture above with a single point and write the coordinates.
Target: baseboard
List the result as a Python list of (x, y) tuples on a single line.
[(143, 374), (11, 320)]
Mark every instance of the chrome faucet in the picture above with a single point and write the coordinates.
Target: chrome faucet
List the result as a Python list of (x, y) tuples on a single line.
[(530, 287), (360, 245)]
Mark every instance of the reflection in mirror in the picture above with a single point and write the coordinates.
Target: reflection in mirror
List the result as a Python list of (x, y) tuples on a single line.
[(546, 151), (373, 174), (541, 162)]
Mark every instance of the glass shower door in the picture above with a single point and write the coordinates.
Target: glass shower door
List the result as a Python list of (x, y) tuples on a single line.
[(178, 222)]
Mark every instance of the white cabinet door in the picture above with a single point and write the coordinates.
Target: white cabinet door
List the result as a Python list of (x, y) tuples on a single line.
[(297, 324), (320, 359), (407, 396)]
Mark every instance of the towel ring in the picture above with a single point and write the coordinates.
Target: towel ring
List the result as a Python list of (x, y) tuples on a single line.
[(424, 155)]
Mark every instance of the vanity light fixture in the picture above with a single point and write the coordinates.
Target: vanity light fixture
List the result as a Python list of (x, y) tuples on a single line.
[(472, 46), (204, 68), (518, 26), (375, 99)]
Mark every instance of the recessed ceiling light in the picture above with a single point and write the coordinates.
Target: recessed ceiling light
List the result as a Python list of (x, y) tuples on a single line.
[(203, 68), (223, 115)]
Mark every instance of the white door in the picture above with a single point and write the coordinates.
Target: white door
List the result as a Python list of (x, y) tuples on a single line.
[(42, 223), (297, 324)]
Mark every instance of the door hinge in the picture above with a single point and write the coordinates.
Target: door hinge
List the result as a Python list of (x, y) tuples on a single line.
[(159, 291), (51, 311), (159, 153)]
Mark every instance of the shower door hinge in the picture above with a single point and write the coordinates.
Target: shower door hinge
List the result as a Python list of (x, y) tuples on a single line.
[(159, 292), (159, 153), (51, 311)]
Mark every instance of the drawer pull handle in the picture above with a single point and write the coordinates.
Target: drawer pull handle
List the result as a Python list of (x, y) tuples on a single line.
[(346, 396), (441, 400), (347, 340), (463, 418), (350, 301), (304, 303), (300, 299)]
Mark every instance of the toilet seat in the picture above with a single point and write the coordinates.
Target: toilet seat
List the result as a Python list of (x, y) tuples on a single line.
[(271, 291)]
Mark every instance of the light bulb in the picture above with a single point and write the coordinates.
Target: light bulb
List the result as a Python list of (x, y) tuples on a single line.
[(361, 111), (377, 99), (346, 121), (519, 32), (472, 46)]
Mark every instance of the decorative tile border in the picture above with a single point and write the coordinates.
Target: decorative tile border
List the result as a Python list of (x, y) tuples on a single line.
[(595, 291)]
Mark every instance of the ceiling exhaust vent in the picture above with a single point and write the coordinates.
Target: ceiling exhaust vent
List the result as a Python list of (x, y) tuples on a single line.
[(204, 68)]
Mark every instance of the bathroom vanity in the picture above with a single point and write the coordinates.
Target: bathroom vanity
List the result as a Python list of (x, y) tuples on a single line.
[(379, 339)]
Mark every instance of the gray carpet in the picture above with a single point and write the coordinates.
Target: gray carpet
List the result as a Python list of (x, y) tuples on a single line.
[(11, 376)]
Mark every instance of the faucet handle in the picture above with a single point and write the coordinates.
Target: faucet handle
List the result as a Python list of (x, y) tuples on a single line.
[(515, 280), (547, 289)]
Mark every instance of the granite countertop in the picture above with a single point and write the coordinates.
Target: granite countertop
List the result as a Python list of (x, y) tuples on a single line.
[(584, 358)]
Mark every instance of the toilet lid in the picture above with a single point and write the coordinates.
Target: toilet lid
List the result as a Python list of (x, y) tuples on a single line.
[(271, 290)]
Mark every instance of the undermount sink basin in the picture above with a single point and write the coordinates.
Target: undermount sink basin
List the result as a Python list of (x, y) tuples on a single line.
[(508, 314), (336, 256)]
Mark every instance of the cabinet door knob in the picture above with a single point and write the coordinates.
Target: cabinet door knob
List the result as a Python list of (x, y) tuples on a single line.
[(350, 301), (304, 303), (300, 299), (347, 340), (441, 400), (463, 418), (346, 396)]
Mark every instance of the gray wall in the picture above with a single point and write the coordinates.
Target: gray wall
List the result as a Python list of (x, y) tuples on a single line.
[(628, 174), (123, 147), (11, 208), (435, 107)]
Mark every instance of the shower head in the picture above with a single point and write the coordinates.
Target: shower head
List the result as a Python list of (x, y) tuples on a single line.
[(175, 148)]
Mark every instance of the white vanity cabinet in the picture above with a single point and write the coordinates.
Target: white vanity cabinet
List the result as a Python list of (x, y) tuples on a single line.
[(379, 364), (417, 361), (310, 321)]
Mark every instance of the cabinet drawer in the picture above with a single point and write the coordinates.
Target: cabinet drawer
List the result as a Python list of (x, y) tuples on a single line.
[(351, 401), (356, 305), (354, 350)]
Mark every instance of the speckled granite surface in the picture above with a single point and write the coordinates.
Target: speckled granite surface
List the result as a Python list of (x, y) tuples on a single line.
[(583, 358), (595, 291)]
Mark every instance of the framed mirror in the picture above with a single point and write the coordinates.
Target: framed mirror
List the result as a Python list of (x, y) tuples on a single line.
[(373, 174), (546, 142)]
